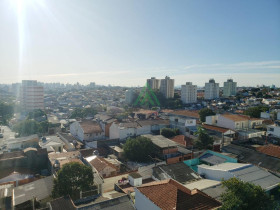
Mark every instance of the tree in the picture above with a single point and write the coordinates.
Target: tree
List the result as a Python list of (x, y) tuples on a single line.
[(169, 132), (138, 149), (83, 112), (27, 127), (255, 111), (203, 113), (71, 179), (35, 114), (6, 112), (203, 141), (241, 195)]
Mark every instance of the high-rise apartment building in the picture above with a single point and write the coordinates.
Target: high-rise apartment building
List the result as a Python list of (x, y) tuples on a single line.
[(129, 96), (229, 88), (189, 93), (167, 87), (153, 83), (32, 95), (211, 90)]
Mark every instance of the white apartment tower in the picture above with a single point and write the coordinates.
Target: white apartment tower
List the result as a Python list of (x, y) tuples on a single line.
[(189, 93), (167, 87), (32, 95), (153, 83), (129, 96), (229, 88), (211, 90)]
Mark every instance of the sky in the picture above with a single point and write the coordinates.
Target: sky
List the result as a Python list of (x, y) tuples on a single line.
[(124, 42)]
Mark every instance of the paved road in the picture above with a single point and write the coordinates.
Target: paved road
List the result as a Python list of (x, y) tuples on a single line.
[(8, 134)]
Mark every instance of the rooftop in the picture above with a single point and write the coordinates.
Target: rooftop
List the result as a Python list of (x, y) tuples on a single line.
[(176, 196), (177, 171), (186, 113), (90, 126), (271, 150), (254, 157), (161, 141)]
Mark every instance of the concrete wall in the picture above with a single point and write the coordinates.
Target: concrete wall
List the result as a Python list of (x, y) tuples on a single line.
[(143, 203), (274, 130), (217, 175), (226, 123)]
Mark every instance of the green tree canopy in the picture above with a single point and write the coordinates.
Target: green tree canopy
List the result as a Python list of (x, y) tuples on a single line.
[(169, 132), (256, 111), (35, 114), (83, 112), (29, 127), (6, 112), (71, 179), (203, 141), (241, 195), (203, 113), (138, 149)]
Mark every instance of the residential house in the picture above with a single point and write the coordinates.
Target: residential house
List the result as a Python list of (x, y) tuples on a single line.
[(22, 143), (123, 130), (169, 150), (177, 171), (87, 131), (244, 172), (243, 124), (184, 120), (270, 149), (169, 194), (57, 160), (209, 158), (105, 121), (273, 130), (103, 166), (51, 143), (183, 141), (247, 155), (233, 121)]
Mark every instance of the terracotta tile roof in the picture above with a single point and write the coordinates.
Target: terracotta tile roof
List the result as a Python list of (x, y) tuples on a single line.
[(90, 126), (215, 128), (239, 117), (169, 194), (187, 113), (100, 163), (271, 150), (183, 140)]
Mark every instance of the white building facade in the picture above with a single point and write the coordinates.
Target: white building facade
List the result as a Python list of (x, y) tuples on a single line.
[(167, 87), (189, 93), (229, 88), (31, 95), (212, 90), (129, 96), (153, 83)]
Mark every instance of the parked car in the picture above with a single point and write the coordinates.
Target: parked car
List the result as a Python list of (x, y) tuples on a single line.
[(1, 135)]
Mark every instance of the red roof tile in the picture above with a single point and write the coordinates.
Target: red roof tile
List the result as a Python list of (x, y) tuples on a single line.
[(186, 113), (90, 126), (215, 128), (169, 194), (271, 150), (100, 163)]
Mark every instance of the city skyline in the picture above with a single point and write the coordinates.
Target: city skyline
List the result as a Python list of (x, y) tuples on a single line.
[(126, 43)]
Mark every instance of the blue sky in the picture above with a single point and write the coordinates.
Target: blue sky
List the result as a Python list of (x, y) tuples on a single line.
[(125, 42)]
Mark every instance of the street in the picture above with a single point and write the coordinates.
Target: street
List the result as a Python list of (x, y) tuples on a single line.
[(8, 134)]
